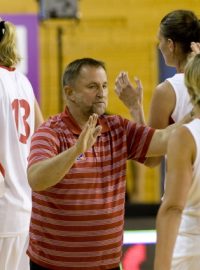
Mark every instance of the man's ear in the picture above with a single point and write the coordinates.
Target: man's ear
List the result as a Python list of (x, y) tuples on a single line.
[(69, 92), (171, 44)]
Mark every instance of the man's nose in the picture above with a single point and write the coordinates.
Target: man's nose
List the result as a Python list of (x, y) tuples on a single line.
[(100, 91)]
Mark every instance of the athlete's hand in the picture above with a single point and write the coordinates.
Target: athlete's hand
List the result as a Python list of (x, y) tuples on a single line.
[(195, 46), (131, 96)]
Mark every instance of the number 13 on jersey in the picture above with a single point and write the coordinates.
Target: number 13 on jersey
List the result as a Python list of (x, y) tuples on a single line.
[(21, 111)]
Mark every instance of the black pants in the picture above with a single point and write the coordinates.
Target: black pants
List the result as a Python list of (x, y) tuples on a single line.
[(34, 266)]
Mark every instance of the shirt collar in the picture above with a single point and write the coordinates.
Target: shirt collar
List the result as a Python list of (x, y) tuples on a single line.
[(74, 127)]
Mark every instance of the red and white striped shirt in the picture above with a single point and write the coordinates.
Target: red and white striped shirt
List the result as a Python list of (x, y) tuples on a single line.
[(78, 223)]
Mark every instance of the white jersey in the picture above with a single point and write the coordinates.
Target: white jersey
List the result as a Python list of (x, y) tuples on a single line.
[(16, 128), (188, 241), (183, 104)]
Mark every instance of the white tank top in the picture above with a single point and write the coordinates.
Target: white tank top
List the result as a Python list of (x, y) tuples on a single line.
[(188, 241), (183, 104), (16, 128)]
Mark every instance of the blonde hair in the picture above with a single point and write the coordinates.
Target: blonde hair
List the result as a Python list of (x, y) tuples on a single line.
[(192, 78), (9, 56)]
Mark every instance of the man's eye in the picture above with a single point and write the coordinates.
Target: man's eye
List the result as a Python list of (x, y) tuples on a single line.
[(92, 86)]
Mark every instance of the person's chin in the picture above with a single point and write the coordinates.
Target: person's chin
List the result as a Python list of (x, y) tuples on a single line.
[(100, 109)]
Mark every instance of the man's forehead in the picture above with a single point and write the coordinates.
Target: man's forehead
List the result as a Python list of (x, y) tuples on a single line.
[(92, 72), (87, 68)]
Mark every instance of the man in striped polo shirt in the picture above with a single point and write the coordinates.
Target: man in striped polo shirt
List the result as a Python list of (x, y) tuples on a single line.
[(77, 170)]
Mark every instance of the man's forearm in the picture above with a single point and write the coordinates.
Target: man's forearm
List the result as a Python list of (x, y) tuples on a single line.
[(49, 172), (158, 145), (138, 114)]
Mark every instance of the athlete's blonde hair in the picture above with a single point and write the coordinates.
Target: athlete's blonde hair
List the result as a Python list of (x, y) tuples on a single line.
[(9, 56), (192, 78)]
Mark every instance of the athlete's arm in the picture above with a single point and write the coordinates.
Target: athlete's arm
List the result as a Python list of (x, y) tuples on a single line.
[(159, 141), (38, 115), (161, 108), (178, 183)]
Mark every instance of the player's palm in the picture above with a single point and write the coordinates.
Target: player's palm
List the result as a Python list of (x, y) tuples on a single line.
[(89, 134), (131, 96)]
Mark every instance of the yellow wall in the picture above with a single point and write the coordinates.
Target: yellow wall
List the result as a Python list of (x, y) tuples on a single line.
[(19, 6), (122, 33)]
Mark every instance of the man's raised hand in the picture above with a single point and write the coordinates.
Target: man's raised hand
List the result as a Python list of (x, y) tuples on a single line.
[(88, 135)]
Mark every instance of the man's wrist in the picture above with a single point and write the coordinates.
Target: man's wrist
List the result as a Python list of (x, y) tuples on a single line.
[(135, 108)]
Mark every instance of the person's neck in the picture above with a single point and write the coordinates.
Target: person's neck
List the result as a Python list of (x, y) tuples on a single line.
[(180, 66), (79, 117), (196, 111)]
